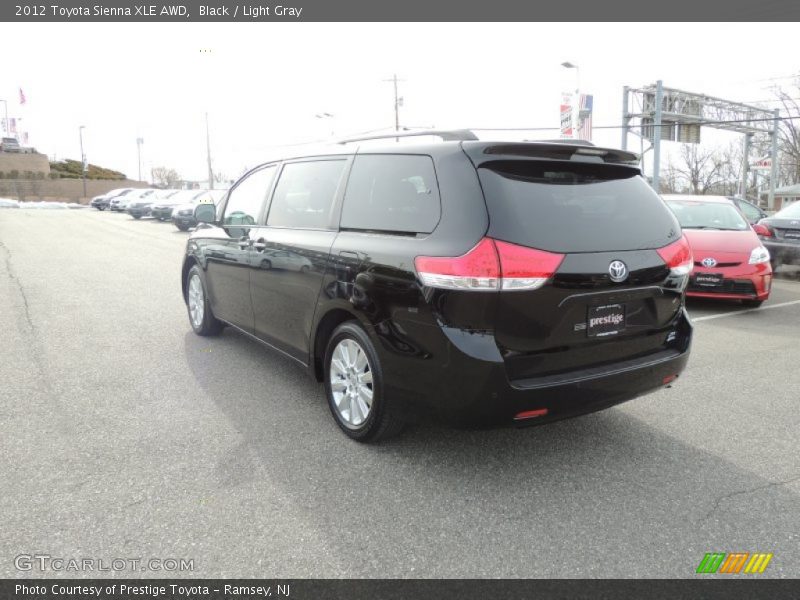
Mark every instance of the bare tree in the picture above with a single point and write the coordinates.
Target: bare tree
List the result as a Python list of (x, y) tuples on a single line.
[(789, 133), (166, 177), (697, 170)]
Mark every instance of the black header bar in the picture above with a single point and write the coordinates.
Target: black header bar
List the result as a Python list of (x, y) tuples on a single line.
[(402, 11)]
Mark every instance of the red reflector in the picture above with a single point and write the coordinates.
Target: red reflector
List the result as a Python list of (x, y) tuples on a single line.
[(669, 379), (529, 414), (678, 256)]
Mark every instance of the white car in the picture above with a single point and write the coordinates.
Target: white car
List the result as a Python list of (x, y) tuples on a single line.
[(183, 215)]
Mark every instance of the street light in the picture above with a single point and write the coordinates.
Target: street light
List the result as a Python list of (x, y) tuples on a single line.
[(139, 142), (326, 115), (569, 65), (84, 166), (6, 105)]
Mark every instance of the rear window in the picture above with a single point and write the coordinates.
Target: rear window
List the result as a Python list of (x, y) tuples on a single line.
[(396, 193), (574, 207)]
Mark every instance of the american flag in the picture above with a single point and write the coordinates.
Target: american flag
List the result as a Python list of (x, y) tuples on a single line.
[(585, 102)]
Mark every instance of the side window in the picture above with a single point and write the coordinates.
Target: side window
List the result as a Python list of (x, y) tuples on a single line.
[(246, 199), (304, 195), (751, 212), (392, 193)]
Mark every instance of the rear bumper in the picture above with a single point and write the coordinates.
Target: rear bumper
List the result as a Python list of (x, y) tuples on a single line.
[(472, 388), (782, 251), (187, 221)]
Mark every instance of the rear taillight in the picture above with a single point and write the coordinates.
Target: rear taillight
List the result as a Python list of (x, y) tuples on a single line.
[(762, 230), (678, 256), (490, 266)]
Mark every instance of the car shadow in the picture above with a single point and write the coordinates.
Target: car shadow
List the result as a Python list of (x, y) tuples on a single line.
[(608, 494)]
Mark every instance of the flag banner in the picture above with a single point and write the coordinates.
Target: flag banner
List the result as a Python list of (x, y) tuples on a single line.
[(585, 103), (22, 98), (24, 137), (12, 125)]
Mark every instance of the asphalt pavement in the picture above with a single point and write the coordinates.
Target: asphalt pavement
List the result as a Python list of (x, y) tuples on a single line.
[(126, 435)]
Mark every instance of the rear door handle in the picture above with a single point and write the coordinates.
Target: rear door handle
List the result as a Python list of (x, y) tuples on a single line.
[(244, 242), (260, 244)]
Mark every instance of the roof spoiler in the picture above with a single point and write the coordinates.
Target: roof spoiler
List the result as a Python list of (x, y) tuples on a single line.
[(561, 151)]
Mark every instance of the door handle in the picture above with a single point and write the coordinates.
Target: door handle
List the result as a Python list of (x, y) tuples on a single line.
[(260, 244), (244, 242)]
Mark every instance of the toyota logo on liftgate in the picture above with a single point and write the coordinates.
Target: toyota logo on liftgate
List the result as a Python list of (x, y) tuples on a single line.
[(617, 271)]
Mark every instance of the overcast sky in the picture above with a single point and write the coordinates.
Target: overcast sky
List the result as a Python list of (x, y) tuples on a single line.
[(263, 83)]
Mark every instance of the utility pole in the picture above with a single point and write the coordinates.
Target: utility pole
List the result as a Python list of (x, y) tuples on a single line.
[(398, 102), (773, 171), (659, 99), (208, 152), (625, 118), (84, 166)]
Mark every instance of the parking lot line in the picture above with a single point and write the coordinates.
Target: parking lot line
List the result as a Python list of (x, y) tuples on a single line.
[(739, 312)]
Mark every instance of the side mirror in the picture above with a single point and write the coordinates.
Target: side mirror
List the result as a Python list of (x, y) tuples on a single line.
[(205, 213)]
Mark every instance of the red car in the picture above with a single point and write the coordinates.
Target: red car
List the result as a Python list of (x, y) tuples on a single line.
[(729, 260)]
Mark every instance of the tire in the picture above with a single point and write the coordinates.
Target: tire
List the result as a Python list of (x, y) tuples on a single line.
[(182, 227), (137, 216), (304, 269), (266, 264), (752, 303), (353, 368), (201, 318), (101, 208)]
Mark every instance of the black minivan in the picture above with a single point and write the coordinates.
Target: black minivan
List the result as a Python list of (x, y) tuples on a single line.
[(477, 282)]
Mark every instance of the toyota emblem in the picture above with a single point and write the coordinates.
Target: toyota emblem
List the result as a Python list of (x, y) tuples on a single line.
[(709, 262), (617, 271)]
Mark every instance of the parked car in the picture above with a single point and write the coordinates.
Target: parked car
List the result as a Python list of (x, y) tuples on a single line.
[(139, 202), (164, 202), (780, 233), (8, 203), (183, 215), (119, 202), (479, 282), (730, 261), (10, 144), (101, 202)]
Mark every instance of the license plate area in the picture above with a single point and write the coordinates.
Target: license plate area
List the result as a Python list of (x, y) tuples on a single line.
[(709, 279), (605, 320)]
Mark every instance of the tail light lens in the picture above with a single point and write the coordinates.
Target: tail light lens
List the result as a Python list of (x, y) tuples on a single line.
[(490, 266), (762, 230), (524, 268), (678, 256)]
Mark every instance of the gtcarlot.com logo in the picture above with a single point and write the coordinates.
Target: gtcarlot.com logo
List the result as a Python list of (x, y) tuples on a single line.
[(734, 562), (46, 562)]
